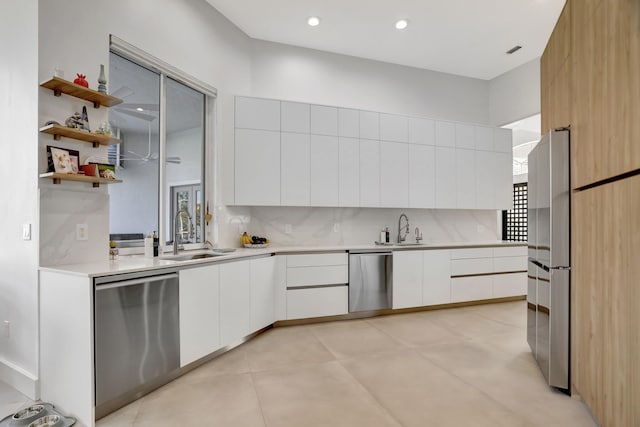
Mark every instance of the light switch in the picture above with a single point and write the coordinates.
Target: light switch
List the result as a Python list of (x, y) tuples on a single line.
[(26, 231), (82, 232)]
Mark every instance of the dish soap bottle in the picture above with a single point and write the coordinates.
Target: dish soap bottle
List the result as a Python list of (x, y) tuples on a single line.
[(383, 236), (387, 237), (113, 251), (148, 246)]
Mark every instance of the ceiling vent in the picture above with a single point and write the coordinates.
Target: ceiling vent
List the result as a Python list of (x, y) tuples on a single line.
[(514, 50)]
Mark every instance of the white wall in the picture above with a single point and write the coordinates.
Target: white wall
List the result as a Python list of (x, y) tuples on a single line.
[(515, 94), (18, 258), (300, 74)]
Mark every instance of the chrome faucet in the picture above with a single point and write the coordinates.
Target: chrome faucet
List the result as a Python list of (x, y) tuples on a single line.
[(176, 234), (403, 231)]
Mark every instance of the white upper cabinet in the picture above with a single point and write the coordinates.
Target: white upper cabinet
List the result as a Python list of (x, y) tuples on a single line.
[(502, 140), (422, 176), (324, 170), (349, 172), (465, 136), (484, 138), (446, 178), (369, 173), (257, 167), (369, 125), (486, 179), (324, 120), (295, 158), (394, 174), (504, 181), (256, 113), (465, 179), (422, 131), (295, 117), (445, 134), (348, 123), (394, 128)]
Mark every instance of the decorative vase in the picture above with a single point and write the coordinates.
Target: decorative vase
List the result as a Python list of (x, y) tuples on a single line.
[(80, 80), (102, 80), (85, 119)]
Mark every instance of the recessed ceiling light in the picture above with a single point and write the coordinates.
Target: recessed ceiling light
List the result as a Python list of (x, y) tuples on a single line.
[(401, 24), (140, 109), (313, 21)]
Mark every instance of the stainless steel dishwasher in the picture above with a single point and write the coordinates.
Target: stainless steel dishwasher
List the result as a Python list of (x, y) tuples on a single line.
[(370, 281), (137, 337)]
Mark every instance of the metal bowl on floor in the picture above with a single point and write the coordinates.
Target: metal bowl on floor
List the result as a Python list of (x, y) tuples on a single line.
[(48, 421), (27, 414)]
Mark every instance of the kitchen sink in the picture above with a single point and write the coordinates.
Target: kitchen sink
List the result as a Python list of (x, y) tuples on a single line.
[(189, 257)]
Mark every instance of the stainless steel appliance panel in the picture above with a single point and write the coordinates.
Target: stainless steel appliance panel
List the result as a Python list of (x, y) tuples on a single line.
[(370, 281), (532, 305), (560, 199), (559, 328), (137, 337)]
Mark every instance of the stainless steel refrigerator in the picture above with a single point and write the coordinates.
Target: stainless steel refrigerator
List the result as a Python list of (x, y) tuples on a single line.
[(549, 269)]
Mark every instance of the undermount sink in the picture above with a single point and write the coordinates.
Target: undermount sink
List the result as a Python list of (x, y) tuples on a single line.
[(189, 257), (409, 244)]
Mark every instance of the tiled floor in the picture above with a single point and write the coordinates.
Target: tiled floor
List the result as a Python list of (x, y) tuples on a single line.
[(466, 366)]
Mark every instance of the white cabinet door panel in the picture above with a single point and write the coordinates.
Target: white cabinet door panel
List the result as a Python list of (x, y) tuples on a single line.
[(369, 125), (369, 173), (407, 279), (295, 117), (422, 131), (509, 285), (422, 176), (484, 138), (199, 313), (348, 123), (295, 158), (471, 288), (436, 284), (235, 301), (465, 136), (446, 178), (263, 281), (462, 267), (394, 174), (317, 302), (317, 260), (257, 167), (504, 181), (510, 251), (485, 180), (510, 263), (471, 253), (466, 178), (255, 113), (319, 275), (324, 171), (394, 128), (349, 172), (324, 120), (502, 140), (445, 134)]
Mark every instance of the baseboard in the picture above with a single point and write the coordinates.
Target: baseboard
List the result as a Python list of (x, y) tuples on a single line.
[(19, 379)]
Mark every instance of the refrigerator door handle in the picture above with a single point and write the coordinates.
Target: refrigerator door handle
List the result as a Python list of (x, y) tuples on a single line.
[(538, 264)]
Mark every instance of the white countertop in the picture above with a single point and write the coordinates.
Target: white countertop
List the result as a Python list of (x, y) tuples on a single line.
[(138, 263)]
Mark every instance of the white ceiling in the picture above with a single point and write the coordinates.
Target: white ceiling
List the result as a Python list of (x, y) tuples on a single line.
[(464, 37)]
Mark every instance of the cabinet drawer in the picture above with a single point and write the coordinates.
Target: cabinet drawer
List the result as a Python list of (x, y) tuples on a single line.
[(471, 288), (317, 302), (509, 285), (510, 251), (472, 253), (315, 260), (311, 276), (462, 267), (511, 263)]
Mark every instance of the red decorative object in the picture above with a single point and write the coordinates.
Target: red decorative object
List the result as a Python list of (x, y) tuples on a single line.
[(80, 80)]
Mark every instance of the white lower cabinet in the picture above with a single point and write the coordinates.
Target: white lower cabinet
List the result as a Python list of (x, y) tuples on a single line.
[(303, 303), (235, 301), (199, 320), (436, 277), (471, 288), (263, 280), (509, 285), (407, 279)]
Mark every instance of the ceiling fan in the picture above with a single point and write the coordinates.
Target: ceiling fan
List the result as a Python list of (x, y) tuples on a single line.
[(149, 156)]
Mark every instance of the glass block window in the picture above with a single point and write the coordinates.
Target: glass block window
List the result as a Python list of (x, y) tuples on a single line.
[(514, 221)]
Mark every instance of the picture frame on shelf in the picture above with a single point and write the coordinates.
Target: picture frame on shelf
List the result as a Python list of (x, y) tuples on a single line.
[(62, 162), (74, 157), (105, 170)]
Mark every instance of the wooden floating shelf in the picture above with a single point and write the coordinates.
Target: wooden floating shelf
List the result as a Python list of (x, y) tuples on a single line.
[(96, 181), (60, 86), (94, 138)]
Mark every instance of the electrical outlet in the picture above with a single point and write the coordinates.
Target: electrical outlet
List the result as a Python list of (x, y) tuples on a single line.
[(26, 231), (82, 232), (287, 229), (336, 227), (6, 329)]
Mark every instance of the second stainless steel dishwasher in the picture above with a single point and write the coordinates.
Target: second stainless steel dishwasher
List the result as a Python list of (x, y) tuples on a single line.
[(370, 281), (137, 336)]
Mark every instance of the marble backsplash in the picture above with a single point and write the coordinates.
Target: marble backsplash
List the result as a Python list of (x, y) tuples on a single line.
[(337, 226)]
